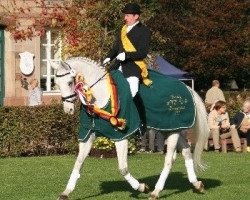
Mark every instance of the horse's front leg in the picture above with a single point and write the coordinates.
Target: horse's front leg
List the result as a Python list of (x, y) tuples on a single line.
[(84, 149), (122, 155), (171, 147)]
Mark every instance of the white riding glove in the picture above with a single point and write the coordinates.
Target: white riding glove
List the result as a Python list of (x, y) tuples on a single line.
[(121, 56), (106, 60)]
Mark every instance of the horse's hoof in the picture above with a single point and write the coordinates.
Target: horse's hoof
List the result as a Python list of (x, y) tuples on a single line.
[(63, 197), (153, 196), (143, 188), (200, 187)]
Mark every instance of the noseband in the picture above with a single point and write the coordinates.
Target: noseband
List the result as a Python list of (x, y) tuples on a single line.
[(66, 99)]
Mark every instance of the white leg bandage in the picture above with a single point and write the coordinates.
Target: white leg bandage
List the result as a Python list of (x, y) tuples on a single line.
[(133, 84), (163, 177), (132, 181), (72, 181), (174, 156), (190, 171)]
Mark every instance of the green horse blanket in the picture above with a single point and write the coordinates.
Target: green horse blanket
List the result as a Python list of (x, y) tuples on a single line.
[(168, 104)]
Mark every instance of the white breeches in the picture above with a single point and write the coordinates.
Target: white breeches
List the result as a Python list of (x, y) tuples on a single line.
[(133, 84)]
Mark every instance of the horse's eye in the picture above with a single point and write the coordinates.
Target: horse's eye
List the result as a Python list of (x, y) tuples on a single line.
[(70, 83)]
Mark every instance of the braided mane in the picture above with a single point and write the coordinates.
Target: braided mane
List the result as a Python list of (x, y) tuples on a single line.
[(84, 59)]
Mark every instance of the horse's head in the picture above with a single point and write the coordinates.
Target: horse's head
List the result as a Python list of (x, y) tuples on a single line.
[(65, 80), (83, 77)]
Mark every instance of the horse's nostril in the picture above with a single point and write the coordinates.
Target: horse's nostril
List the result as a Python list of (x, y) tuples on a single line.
[(71, 110)]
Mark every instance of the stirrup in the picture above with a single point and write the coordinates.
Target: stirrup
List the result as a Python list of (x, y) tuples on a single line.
[(142, 129)]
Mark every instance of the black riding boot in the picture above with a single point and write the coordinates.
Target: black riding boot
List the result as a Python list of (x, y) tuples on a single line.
[(142, 113)]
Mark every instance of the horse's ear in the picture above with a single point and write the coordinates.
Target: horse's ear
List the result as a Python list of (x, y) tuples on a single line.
[(54, 65), (65, 65)]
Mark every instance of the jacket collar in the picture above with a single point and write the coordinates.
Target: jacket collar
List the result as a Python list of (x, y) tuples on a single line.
[(129, 28)]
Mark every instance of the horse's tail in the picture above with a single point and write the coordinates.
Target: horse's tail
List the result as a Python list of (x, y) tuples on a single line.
[(200, 130)]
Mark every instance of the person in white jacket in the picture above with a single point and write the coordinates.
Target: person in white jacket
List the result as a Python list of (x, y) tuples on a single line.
[(35, 94)]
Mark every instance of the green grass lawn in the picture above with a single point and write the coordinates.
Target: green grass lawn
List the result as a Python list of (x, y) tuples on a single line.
[(44, 178)]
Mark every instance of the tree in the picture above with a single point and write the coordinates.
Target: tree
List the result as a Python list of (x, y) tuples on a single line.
[(210, 39)]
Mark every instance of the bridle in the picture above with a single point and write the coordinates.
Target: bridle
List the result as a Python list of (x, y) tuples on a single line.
[(69, 97)]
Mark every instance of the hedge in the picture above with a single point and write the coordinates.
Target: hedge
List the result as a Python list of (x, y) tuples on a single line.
[(40, 130), (47, 130), (44, 130), (235, 100)]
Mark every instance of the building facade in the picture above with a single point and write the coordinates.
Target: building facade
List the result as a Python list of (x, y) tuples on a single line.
[(14, 82)]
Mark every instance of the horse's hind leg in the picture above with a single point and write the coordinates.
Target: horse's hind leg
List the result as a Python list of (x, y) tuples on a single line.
[(171, 146), (84, 149), (122, 155), (189, 164)]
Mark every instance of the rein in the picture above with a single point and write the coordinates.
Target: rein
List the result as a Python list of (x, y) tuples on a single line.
[(112, 66), (99, 79)]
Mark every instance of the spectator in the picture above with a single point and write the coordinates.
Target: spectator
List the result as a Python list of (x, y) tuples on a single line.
[(218, 122), (160, 142), (155, 138), (150, 134), (35, 93), (241, 121), (214, 94)]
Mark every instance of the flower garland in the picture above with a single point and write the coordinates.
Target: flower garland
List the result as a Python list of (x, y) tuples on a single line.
[(81, 90)]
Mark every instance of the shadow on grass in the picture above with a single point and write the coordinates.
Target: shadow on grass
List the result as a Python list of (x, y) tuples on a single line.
[(176, 181)]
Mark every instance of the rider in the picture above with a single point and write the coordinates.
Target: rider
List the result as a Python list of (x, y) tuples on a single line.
[(130, 48)]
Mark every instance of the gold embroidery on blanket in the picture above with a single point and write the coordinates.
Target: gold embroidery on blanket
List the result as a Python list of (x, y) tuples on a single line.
[(176, 104)]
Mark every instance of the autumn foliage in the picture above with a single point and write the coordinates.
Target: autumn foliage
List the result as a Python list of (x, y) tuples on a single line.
[(64, 17)]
